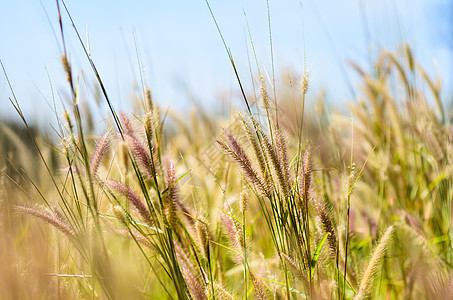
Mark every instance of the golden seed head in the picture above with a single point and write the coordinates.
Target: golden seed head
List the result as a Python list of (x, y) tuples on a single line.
[(68, 120), (410, 58), (351, 178), (124, 156), (65, 63), (243, 202), (264, 95), (305, 83), (202, 233), (222, 292), (149, 100), (66, 66), (120, 214), (65, 144), (149, 125)]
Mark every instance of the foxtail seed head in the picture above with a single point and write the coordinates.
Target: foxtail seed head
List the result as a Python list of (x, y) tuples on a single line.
[(68, 120), (264, 94), (67, 67), (304, 83), (149, 101), (351, 178), (123, 156), (243, 202), (202, 233), (119, 213), (149, 125)]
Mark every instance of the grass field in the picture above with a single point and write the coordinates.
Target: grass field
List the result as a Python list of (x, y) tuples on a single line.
[(287, 198)]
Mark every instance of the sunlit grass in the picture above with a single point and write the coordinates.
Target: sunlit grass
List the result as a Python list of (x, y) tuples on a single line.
[(281, 200)]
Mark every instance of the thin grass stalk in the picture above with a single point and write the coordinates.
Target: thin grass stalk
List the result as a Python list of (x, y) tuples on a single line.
[(350, 185), (93, 66), (243, 208), (90, 197)]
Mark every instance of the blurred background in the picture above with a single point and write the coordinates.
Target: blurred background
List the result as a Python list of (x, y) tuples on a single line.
[(182, 57)]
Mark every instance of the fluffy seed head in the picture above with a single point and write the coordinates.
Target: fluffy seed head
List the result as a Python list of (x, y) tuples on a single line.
[(197, 288), (294, 267), (260, 292), (119, 213), (149, 126), (133, 198), (149, 100), (101, 151), (328, 227), (170, 198), (351, 178), (282, 151), (222, 293), (68, 120), (272, 154), (257, 151), (123, 156), (234, 234), (142, 155), (66, 67), (264, 94), (305, 83), (243, 202), (374, 263), (59, 214), (127, 125), (194, 284), (203, 238), (410, 58), (237, 152), (59, 224)]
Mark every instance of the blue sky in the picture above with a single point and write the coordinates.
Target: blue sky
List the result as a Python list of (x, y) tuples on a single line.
[(179, 45)]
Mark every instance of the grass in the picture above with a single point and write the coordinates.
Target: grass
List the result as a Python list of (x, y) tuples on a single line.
[(282, 202)]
